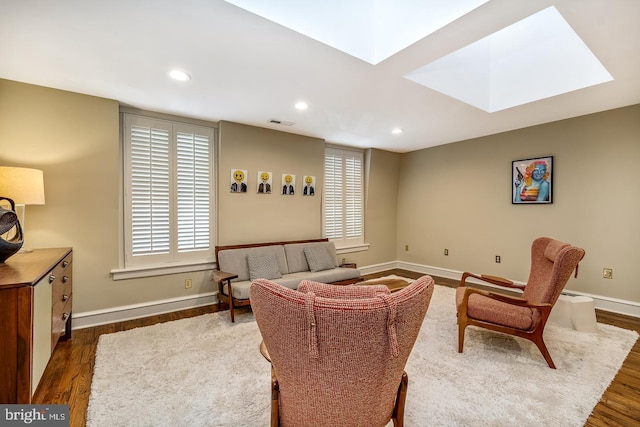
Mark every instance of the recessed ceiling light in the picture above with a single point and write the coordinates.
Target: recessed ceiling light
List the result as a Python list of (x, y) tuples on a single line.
[(396, 131), (301, 105), (179, 75)]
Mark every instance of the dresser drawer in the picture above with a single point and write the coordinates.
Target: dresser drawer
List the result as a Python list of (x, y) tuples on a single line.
[(61, 290), (61, 279), (59, 323), (63, 267)]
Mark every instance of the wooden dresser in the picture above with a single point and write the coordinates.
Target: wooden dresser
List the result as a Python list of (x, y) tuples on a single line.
[(35, 312)]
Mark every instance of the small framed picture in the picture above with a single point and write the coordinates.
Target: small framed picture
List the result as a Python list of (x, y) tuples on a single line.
[(309, 188), (238, 181), (265, 182), (288, 184), (532, 181)]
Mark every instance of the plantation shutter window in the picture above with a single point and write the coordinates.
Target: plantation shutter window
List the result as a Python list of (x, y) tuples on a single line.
[(149, 190), (168, 191), (343, 220), (193, 179)]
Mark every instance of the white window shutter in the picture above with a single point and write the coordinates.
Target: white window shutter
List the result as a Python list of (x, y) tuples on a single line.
[(333, 206), (168, 192), (353, 196), (343, 201), (194, 200), (149, 158)]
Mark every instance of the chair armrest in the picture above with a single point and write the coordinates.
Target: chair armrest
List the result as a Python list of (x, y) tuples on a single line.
[(218, 275), (494, 280), (505, 298)]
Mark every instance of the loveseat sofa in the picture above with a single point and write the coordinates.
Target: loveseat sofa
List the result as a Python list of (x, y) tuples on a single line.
[(286, 263)]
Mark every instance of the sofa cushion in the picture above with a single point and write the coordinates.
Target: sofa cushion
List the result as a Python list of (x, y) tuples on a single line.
[(263, 266), (296, 259), (292, 280), (318, 258), (235, 260)]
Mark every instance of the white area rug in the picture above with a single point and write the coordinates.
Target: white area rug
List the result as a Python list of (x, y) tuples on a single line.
[(206, 371)]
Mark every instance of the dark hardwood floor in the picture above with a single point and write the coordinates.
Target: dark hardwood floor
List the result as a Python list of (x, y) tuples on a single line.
[(67, 379)]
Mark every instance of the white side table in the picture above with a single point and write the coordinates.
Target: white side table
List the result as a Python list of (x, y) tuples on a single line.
[(575, 312)]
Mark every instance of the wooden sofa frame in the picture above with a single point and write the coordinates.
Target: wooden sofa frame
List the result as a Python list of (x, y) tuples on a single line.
[(221, 276)]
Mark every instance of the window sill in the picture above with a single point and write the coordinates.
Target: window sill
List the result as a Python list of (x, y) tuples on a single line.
[(161, 270), (361, 247)]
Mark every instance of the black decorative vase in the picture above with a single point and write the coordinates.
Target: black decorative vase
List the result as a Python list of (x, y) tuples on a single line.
[(8, 222)]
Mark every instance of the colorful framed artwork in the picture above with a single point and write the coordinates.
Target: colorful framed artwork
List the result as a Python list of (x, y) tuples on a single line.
[(265, 182), (309, 188), (532, 181), (238, 181), (288, 184)]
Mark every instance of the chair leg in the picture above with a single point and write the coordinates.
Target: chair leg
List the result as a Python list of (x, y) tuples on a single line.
[(275, 397), (461, 328), (231, 310), (398, 410), (230, 293), (539, 341)]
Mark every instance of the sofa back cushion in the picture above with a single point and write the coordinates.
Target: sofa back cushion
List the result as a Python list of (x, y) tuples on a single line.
[(263, 266), (235, 260), (296, 259)]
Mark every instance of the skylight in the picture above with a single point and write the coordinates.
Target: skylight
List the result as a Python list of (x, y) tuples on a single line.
[(371, 30), (538, 57)]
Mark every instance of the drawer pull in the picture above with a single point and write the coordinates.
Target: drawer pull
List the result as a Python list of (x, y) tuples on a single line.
[(65, 264), (65, 279), (65, 316), (65, 297), (52, 278)]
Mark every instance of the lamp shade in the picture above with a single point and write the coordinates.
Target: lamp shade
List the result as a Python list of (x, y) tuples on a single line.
[(24, 185)]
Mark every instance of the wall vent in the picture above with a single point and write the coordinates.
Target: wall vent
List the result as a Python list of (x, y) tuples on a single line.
[(281, 122)]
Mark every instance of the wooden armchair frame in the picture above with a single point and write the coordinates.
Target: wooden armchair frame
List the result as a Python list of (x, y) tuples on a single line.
[(533, 334), (552, 263)]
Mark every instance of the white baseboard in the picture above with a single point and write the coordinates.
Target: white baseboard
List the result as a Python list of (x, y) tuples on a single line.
[(137, 311), (152, 308), (614, 305), (377, 268)]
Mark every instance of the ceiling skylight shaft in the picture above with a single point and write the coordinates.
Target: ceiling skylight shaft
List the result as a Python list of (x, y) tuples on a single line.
[(536, 58), (371, 30)]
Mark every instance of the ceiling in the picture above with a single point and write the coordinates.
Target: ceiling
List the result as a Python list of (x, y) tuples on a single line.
[(250, 70)]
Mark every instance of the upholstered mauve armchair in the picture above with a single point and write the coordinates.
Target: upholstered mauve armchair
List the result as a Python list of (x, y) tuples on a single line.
[(338, 352), (525, 316)]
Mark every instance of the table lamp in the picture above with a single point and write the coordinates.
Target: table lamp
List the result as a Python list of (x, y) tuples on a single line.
[(25, 186)]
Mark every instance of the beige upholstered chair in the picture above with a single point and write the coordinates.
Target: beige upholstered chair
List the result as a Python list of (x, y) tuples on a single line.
[(338, 352), (552, 263)]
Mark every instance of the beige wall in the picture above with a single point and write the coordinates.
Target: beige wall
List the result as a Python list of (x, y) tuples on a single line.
[(458, 196), (253, 217), (381, 200)]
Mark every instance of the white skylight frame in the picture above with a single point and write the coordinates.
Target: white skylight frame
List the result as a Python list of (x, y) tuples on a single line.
[(536, 58), (371, 30)]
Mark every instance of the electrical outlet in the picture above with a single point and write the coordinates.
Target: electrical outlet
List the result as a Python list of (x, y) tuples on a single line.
[(607, 273), (498, 259), (446, 252), (406, 247), (187, 283)]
